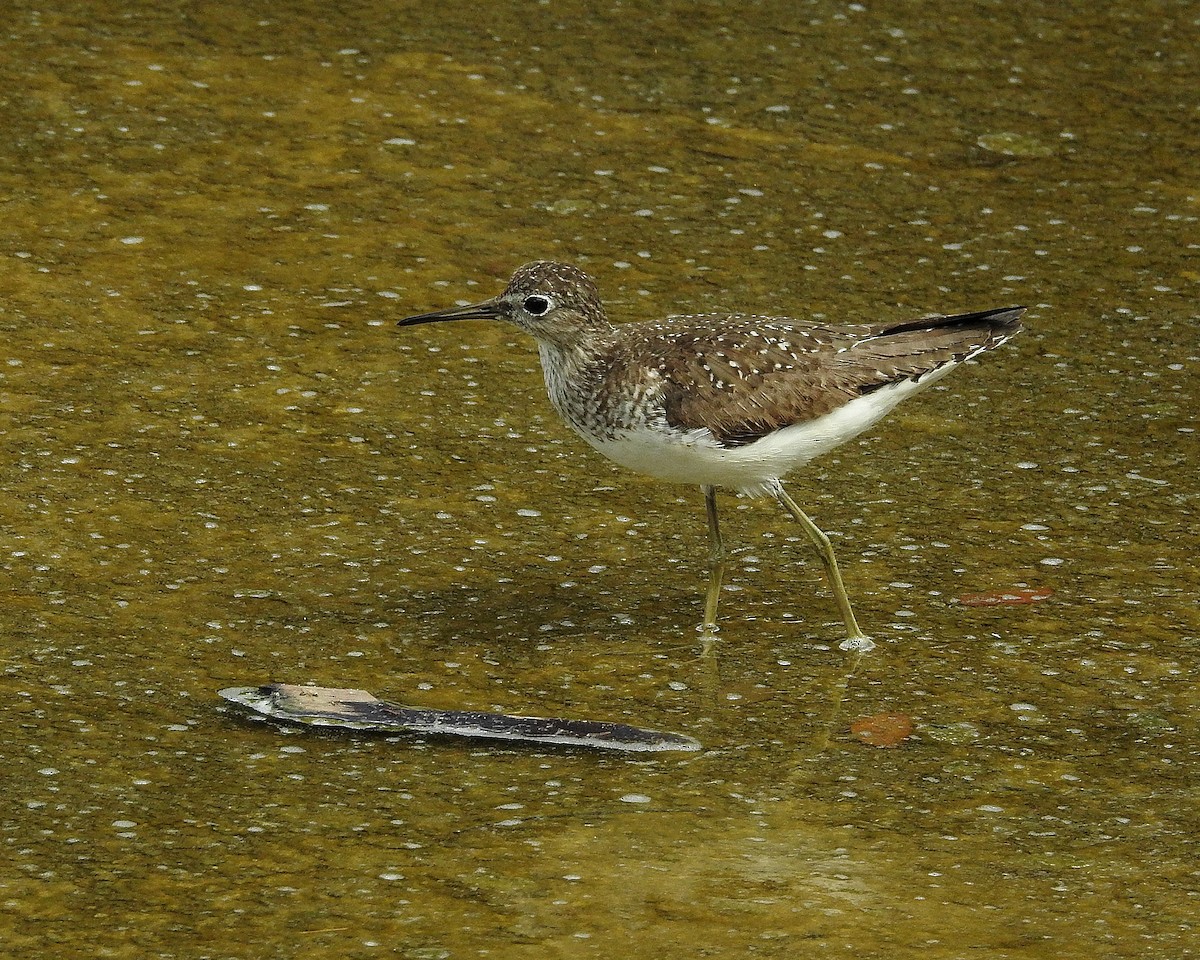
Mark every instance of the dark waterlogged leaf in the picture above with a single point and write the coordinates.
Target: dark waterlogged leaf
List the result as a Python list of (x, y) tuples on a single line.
[(360, 710)]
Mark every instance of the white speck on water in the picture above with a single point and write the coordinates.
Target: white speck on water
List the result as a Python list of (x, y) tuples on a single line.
[(132, 241), (1132, 475), (1052, 561), (1023, 707), (1027, 465), (635, 798)]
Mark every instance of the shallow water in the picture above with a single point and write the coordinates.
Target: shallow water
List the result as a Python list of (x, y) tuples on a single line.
[(222, 464)]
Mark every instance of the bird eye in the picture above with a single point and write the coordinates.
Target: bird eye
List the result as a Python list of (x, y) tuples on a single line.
[(536, 305)]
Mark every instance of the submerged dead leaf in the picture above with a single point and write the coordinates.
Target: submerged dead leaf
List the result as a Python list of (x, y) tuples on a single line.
[(1014, 145), (883, 729), (1012, 597)]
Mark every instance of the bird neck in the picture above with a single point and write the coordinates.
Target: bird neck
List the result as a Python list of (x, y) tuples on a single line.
[(573, 375)]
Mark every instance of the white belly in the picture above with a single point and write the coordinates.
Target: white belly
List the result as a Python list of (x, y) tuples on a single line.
[(694, 457)]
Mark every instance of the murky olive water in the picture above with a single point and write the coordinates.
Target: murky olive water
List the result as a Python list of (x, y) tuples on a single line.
[(222, 464)]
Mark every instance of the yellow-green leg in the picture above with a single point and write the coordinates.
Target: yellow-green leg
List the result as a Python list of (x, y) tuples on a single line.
[(716, 564), (825, 548)]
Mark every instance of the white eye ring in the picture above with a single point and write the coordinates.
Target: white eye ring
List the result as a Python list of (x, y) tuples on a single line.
[(537, 305)]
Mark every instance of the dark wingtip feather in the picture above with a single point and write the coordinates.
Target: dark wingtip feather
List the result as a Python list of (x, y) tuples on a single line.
[(1003, 321)]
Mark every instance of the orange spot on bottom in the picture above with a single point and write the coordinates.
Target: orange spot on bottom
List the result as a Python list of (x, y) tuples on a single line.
[(883, 729)]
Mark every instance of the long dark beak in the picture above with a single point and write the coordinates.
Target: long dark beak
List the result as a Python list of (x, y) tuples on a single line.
[(488, 310)]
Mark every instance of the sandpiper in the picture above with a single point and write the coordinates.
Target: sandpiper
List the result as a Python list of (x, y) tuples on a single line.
[(726, 400)]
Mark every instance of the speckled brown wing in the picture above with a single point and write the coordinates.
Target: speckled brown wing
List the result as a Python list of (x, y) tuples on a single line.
[(745, 377)]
